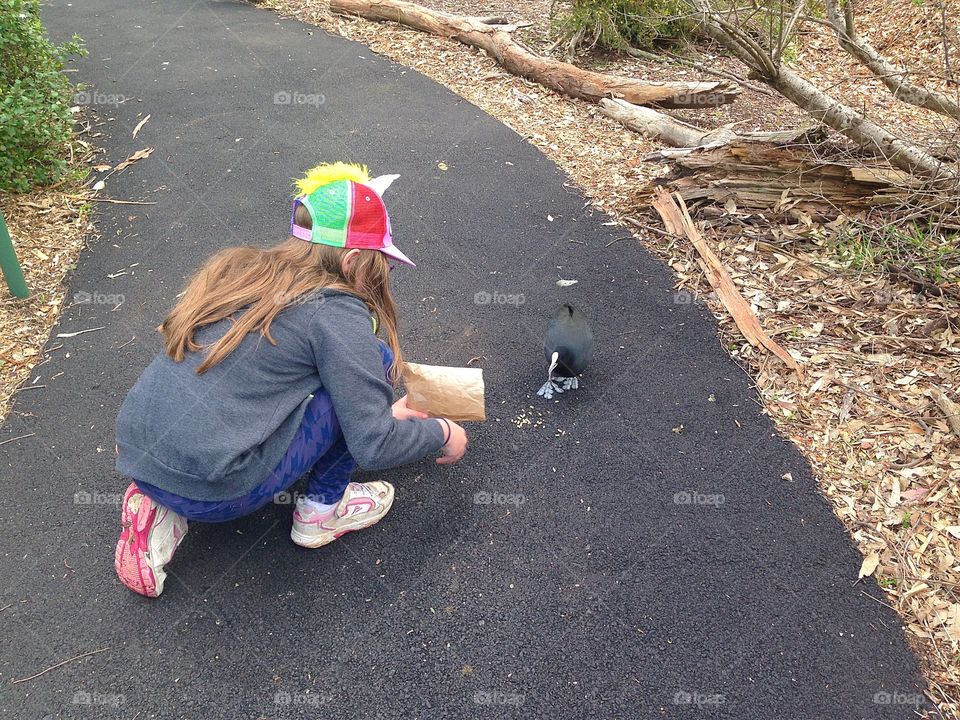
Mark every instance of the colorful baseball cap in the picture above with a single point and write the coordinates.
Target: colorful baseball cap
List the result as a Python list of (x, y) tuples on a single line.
[(347, 210)]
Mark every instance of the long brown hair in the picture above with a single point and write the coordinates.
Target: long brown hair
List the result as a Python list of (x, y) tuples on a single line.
[(261, 283)]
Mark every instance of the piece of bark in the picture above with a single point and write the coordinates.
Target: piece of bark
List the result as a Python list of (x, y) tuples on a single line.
[(496, 40), (949, 408), (677, 220)]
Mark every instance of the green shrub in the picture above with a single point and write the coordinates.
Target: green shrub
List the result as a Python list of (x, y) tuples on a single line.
[(617, 24), (35, 98)]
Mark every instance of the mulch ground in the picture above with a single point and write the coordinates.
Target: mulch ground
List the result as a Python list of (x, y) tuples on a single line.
[(49, 229)]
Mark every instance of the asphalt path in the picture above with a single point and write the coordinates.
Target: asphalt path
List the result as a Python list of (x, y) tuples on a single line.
[(586, 559)]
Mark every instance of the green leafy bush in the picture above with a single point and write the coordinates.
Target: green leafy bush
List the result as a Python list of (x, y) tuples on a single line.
[(617, 24), (35, 98)]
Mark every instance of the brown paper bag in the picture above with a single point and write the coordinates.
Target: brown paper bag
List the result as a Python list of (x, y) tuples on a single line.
[(450, 392)]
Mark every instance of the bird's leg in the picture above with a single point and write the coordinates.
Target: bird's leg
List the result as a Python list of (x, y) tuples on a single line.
[(547, 390), (570, 383)]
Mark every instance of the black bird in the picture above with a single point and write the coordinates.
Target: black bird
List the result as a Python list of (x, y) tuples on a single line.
[(568, 347)]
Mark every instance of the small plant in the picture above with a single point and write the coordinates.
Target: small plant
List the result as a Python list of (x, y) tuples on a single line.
[(35, 98), (621, 24), (922, 251)]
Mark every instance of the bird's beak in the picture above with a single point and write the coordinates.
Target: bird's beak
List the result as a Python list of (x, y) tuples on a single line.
[(553, 364)]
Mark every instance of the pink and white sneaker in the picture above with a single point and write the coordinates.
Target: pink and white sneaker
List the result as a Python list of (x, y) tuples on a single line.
[(151, 534), (362, 505)]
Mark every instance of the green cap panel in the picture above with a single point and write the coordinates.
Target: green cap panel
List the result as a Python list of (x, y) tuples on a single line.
[(329, 208)]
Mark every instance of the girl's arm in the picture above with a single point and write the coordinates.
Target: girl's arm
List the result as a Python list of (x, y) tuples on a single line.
[(350, 366)]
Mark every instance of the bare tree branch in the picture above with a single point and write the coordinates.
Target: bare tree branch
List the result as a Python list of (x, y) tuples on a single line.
[(896, 79), (817, 103)]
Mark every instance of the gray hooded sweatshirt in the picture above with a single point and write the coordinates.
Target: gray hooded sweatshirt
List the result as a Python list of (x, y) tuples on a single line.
[(218, 435)]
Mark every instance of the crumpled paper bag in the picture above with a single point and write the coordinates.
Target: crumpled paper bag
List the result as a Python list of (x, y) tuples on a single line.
[(452, 392)]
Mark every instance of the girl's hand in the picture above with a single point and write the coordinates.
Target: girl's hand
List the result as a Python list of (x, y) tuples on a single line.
[(402, 412), (455, 447)]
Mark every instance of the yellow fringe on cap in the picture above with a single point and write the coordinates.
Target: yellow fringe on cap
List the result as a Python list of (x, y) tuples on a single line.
[(331, 172)]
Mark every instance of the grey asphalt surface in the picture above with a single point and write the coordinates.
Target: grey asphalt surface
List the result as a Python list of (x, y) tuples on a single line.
[(583, 561)]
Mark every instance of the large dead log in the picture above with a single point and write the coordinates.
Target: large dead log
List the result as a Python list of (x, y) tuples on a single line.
[(793, 173), (493, 36), (787, 179)]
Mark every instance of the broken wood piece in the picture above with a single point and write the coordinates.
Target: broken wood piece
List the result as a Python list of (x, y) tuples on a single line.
[(677, 220), (788, 172), (496, 40), (798, 180)]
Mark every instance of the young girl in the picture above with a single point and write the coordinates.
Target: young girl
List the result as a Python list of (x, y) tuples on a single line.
[(271, 370)]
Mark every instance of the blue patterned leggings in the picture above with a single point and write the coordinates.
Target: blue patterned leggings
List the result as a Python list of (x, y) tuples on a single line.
[(318, 449)]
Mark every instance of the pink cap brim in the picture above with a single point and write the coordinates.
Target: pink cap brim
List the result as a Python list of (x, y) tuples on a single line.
[(394, 252)]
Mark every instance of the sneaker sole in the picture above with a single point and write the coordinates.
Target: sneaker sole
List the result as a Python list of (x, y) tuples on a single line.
[(146, 543), (359, 523)]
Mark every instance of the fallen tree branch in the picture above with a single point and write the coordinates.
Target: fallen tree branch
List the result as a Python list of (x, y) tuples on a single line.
[(679, 134), (677, 220), (673, 59), (496, 40)]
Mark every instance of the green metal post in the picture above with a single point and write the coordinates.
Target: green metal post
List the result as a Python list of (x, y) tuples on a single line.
[(10, 265)]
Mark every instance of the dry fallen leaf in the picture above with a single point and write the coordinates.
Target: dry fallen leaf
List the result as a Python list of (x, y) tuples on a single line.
[(138, 155), (869, 565), (140, 125)]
